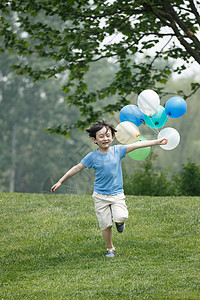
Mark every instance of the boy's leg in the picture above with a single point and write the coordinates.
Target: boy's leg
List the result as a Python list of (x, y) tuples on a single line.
[(119, 212), (103, 212), (107, 234), (104, 215)]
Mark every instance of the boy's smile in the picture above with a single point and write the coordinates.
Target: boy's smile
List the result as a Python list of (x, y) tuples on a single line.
[(103, 139)]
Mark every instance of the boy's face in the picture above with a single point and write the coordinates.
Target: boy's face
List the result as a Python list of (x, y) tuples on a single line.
[(103, 138)]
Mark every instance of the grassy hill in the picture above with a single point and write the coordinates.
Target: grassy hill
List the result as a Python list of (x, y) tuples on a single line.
[(52, 248)]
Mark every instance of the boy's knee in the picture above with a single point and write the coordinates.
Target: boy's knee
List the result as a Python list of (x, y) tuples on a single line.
[(120, 216), (120, 219)]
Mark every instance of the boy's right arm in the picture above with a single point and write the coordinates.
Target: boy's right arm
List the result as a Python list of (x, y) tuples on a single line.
[(143, 144), (74, 170)]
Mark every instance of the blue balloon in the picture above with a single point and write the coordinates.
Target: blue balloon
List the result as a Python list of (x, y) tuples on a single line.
[(157, 120), (131, 113), (175, 107)]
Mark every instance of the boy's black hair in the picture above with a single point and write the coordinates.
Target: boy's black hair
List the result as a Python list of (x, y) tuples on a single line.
[(98, 126)]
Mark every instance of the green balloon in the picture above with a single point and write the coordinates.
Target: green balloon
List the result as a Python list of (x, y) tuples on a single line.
[(141, 153)]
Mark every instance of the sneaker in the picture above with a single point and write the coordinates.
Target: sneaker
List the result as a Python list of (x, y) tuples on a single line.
[(120, 227), (110, 253)]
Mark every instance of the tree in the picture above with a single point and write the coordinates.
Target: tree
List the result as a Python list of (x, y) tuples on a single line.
[(28, 156), (147, 180), (75, 34), (189, 179)]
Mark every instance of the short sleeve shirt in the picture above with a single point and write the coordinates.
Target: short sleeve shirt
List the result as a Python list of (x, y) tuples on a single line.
[(108, 171)]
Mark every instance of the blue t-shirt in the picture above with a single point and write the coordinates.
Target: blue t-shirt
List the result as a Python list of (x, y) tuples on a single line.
[(108, 171)]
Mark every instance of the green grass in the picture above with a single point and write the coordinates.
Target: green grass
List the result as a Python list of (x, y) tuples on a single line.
[(52, 248)]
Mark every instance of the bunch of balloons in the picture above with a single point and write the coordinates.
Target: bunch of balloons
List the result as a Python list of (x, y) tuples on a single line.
[(149, 110)]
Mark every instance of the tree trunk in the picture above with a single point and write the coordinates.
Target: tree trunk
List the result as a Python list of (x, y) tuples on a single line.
[(13, 160)]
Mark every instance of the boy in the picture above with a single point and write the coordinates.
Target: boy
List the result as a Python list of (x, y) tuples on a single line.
[(108, 192)]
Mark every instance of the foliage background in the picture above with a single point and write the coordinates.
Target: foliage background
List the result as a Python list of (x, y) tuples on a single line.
[(36, 159)]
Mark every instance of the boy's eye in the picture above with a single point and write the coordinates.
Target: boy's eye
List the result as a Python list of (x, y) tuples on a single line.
[(107, 135)]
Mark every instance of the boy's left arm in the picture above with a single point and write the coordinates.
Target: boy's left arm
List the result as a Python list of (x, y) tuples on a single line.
[(143, 144)]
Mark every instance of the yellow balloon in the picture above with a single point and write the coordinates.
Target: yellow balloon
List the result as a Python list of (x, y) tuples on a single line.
[(127, 133)]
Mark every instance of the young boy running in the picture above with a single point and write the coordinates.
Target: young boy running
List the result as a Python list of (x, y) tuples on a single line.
[(108, 192)]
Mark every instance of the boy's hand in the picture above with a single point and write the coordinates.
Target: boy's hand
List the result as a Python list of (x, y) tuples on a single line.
[(55, 186), (162, 141)]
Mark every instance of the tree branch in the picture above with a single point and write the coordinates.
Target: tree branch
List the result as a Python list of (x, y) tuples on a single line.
[(193, 92), (194, 10), (186, 45), (162, 15), (156, 56), (173, 15), (118, 53)]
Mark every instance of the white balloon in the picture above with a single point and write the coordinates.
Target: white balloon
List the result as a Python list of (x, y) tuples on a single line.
[(148, 102), (127, 132), (173, 138)]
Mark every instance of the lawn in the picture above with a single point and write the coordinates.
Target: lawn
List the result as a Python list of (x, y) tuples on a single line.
[(51, 248)]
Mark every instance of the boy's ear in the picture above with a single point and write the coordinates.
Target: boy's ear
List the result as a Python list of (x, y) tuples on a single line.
[(113, 136), (94, 140)]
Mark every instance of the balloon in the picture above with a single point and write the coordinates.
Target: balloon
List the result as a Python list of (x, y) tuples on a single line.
[(173, 138), (157, 120), (175, 107), (127, 132), (141, 153), (148, 101), (131, 113)]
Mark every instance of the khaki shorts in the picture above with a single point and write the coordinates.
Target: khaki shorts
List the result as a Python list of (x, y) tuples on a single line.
[(109, 209)]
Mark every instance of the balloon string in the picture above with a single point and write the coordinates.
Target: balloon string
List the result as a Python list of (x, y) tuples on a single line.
[(164, 123), (154, 129)]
